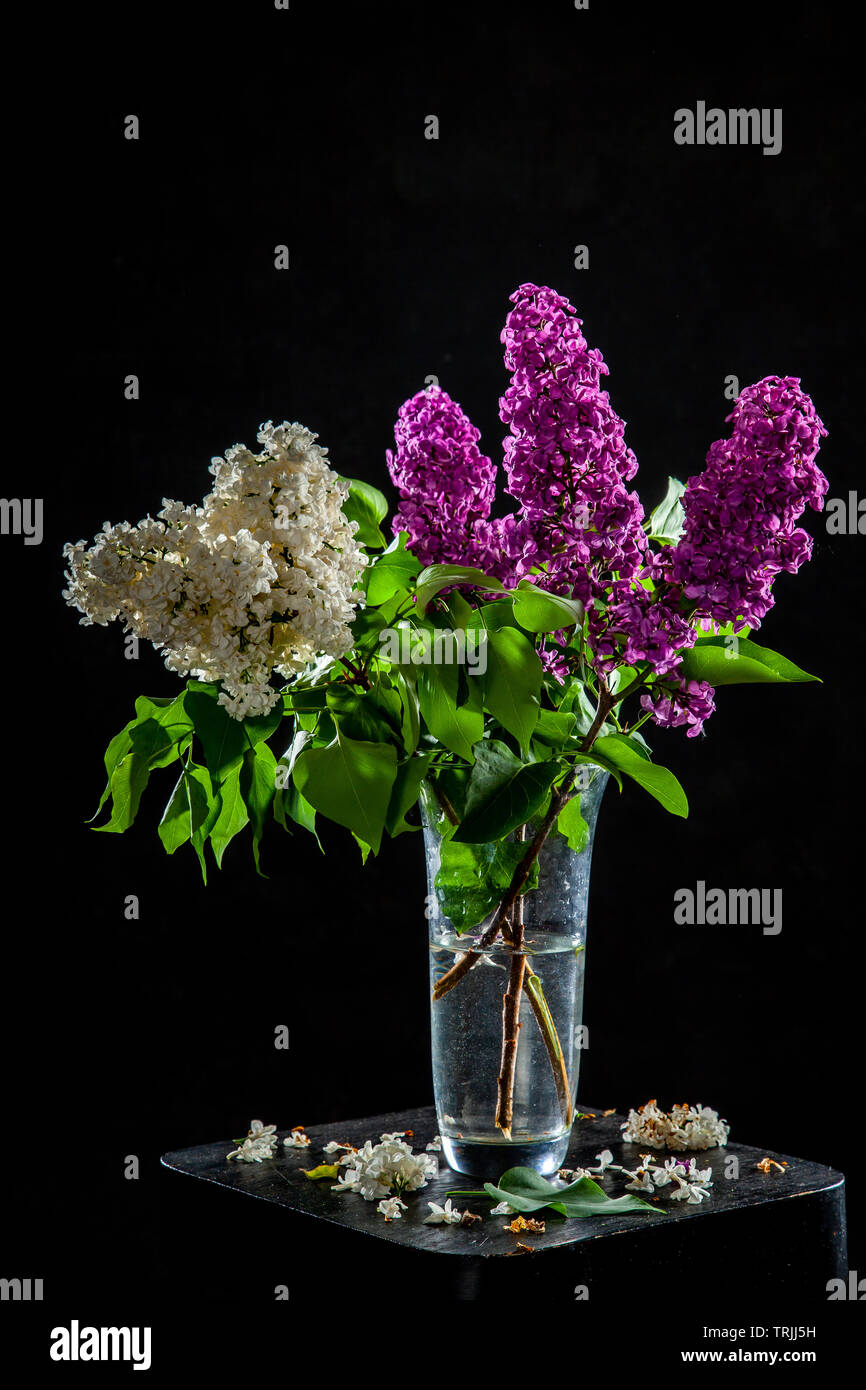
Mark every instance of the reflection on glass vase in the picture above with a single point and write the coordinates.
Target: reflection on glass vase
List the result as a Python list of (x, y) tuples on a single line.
[(507, 1037)]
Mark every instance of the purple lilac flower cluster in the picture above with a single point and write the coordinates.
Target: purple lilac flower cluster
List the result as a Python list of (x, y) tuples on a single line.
[(566, 458), (446, 484), (687, 702), (740, 530)]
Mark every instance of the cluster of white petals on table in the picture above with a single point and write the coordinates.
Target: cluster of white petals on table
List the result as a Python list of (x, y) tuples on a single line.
[(685, 1127), (690, 1181)]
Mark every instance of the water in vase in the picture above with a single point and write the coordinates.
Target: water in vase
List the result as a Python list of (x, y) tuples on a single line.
[(467, 1043)]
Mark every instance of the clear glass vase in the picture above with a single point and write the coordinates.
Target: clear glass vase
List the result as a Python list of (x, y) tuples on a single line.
[(501, 1104)]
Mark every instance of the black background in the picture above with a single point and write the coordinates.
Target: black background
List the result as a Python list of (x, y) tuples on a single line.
[(155, 257)]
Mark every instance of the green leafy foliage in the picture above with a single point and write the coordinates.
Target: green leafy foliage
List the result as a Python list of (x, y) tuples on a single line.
[(288, 801), (155, 738), (226, 740)]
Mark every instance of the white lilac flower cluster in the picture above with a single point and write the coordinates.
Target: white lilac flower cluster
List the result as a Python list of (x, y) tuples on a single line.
[(262, 577), (384, 1170), (691, 1182), (258, 1145), (685, 1127)]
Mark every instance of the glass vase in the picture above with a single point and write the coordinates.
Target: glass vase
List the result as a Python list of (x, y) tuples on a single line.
[(507, 1037)]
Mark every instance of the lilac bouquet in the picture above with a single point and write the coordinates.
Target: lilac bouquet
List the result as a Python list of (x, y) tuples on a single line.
[(584, 619)]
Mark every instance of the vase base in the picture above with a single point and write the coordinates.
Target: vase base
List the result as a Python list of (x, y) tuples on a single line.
[(490, 1160)]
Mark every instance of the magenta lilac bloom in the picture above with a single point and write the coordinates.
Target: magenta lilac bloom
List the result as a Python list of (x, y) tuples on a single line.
[(445, 483), (639, 627), (689, 702), (740, 530), (566, 458)]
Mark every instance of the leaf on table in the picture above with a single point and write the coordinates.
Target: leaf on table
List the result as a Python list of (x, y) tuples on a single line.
[(526, 1191)]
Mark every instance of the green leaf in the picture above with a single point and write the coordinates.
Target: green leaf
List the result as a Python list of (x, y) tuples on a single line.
[(127, 783), (322, 1170), (175, 827), (620, 752), (392, 572), (735, 660), (221, 737), (459, 728), (233, 815), (350, 781), (205, 805), (578, 701), (410, 711), (473, 877), (526, 1191), (436, 577), (117, 749), (462, 614), (453, 780), (363, 847), (503, 793), (156, 736), (571, 824), (159, 731), (538, 611), (258, 784), (369, 622), (553, 728), (369, 715), (407, 785), (288, 800), (298, 808), (368, 506), (668, 520), (496, 615), (512, 683)]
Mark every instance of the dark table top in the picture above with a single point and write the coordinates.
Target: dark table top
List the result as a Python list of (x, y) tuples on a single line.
[(281, 1180)]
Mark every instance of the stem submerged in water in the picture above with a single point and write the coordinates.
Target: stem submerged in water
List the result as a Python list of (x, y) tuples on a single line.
[(511, 1026)]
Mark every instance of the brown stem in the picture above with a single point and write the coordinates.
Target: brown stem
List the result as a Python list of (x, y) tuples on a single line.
[(511, 1026), (443, 800), (547, 1028), (511, 1015)]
